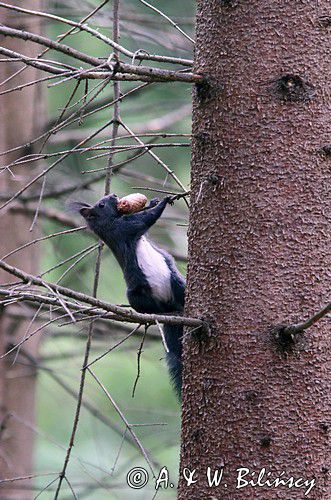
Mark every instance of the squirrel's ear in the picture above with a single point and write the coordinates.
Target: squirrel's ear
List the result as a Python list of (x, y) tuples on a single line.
[(76, 206), (85, 212)]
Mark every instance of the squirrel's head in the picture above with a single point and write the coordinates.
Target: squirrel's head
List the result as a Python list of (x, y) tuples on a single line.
[(100, 215)]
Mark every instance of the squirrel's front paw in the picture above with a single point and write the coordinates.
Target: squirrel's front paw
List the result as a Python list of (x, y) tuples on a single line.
[(170, 199), (154, 202)]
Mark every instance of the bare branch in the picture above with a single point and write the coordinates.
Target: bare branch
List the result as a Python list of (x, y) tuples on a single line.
[(300, 327), (46, 42), (117, 93), (42, 238), (30, 296), (23, 478), (138, 361), (140, 55), (76, 116), (82, 380), (121, 414), (53, 165), (130, 334), (122, 71), (159, 161), (85, 403), (168, 19), (121, 313), (48, 213)]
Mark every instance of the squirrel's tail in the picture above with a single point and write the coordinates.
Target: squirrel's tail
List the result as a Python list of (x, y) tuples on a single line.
[(173, 337)]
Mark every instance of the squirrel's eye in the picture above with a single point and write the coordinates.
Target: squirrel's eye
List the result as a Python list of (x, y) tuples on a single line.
[(102, 204)]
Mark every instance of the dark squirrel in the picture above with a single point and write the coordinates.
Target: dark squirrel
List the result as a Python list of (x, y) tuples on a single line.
[(154, 284)]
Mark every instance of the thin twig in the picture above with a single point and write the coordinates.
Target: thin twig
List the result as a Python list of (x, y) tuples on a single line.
[(75, 117), (77, 261), (121, 414), (138, 360), (122, 314), (168, 19), (300, 327), (117, 93), (114, 346), (125, 72), (53, 165), (82, 382), (43, 238), (158, 160), (24, 478), (94, 411), (140, 55)]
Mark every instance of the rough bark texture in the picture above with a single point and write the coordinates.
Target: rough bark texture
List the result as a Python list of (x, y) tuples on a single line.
[(20, 121), (259, 245)]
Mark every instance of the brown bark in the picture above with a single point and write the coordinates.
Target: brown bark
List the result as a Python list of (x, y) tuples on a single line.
[(259, 246), (20, 117)]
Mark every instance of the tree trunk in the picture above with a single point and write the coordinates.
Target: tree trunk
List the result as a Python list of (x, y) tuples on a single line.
[(20, 116), (259, 246)]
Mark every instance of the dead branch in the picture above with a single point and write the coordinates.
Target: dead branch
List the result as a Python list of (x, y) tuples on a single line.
[(121, 314), (140, 55), (300, 327)]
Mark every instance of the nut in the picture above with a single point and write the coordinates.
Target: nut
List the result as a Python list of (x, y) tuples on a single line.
[(131, 203)]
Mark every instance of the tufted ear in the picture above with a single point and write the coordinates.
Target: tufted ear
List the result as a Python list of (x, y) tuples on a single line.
[(86, 212), (76, 206)]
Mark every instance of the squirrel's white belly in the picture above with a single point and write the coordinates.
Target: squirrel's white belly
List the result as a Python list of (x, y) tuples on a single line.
[(155, 269)]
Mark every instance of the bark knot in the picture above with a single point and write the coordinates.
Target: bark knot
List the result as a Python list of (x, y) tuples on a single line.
[(208, 89), (325, 151), (292, 88), (283, 338), (265, 441)]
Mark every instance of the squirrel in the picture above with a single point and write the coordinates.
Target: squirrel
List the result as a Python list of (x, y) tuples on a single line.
[(154, 284)]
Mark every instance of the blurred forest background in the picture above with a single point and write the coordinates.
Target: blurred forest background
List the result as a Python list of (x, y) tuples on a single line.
[(103, 451)]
